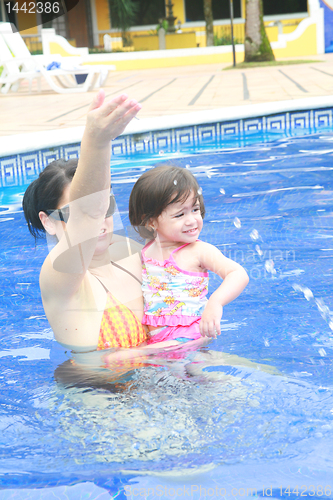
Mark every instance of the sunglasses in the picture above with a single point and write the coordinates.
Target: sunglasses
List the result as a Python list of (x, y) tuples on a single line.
[(63, 213)]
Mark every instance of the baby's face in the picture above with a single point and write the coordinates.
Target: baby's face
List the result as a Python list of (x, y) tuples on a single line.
[(180, 222)]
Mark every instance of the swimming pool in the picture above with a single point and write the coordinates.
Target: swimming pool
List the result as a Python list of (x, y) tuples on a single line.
[(233, 430)]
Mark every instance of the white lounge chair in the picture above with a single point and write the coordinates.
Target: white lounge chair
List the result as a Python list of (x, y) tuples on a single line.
[(52, 43), (12, 75), (62, 80)]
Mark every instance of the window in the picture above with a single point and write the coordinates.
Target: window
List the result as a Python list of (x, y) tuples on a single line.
[(272, 7), (149, 12), (221, 9)]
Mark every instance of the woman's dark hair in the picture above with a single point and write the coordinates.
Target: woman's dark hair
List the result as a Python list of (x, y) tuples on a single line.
[(45, 192), (155, 190)]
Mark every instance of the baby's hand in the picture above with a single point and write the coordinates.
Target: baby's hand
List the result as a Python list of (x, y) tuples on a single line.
[(211, 317)]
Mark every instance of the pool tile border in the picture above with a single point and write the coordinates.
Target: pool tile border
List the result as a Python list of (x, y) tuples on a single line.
[(21, 169)]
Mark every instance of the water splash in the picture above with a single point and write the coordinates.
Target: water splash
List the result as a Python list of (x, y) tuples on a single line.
[(323, 309), (237, 223), (259, 251), (254, 235), (269, 266), (305, 290)]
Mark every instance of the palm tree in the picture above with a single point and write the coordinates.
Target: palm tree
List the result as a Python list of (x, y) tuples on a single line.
[(208, 14), (122, 13), (257, 46)]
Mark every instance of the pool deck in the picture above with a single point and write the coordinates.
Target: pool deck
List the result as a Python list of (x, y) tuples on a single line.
[(169, 91)]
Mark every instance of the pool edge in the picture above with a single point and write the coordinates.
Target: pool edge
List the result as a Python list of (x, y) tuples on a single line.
[(24, 143)]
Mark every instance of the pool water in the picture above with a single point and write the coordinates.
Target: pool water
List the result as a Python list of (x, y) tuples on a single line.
[(252, 410)]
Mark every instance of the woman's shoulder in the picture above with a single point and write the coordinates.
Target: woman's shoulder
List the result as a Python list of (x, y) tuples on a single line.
[(45, 277), (59, 286)]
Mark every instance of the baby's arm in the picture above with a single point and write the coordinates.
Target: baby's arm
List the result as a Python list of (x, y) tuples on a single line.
[(234, 278)]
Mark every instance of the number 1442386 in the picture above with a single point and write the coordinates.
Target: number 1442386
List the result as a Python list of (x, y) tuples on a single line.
[(34, 7)]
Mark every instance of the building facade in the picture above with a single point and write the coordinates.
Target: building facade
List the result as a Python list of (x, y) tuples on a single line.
[(87, 21)]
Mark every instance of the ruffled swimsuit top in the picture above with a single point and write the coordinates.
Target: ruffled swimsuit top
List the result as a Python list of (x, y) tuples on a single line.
[(119, 326), (172, 296)]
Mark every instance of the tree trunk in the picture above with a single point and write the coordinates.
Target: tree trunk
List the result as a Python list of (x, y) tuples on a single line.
[(257, 46), (208, 14)]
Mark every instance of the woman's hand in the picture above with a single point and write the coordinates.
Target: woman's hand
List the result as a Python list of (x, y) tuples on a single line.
[(105, 121), (211, 318), (108, 119)]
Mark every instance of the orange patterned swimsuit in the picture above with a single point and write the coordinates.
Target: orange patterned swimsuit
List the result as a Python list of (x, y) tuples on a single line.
[(119, 327)]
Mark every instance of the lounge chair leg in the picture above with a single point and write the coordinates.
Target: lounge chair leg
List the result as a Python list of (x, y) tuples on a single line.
[(5, 88), (15, 86), (102, 77)]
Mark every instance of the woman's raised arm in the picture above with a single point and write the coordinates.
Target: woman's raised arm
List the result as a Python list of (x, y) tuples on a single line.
[(88, 196)]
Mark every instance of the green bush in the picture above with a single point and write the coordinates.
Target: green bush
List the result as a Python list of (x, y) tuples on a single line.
[(224, 40), (127, 39), (98, 50), (164, 24)]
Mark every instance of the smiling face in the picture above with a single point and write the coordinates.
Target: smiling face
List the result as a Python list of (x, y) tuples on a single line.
[(180, 222)]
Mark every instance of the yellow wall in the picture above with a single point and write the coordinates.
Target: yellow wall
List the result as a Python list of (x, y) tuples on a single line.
[(33, 44), (305, 45), (145, 42), (272, 33), (26, 19), (159, 62), (172, 41), (243, 9), (102, 14), (289, 25), (178, 10), (27, 24), (181, 40), (225, 30)]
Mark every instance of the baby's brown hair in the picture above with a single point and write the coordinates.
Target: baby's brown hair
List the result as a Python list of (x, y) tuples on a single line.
[(155, 190)]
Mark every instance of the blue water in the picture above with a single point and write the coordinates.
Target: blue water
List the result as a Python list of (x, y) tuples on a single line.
[(252, 410)]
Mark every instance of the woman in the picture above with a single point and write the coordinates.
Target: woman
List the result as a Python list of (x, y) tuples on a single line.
[(91, 302)]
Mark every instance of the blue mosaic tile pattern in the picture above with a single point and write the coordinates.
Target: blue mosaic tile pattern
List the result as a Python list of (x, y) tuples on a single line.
[(21, 169)]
